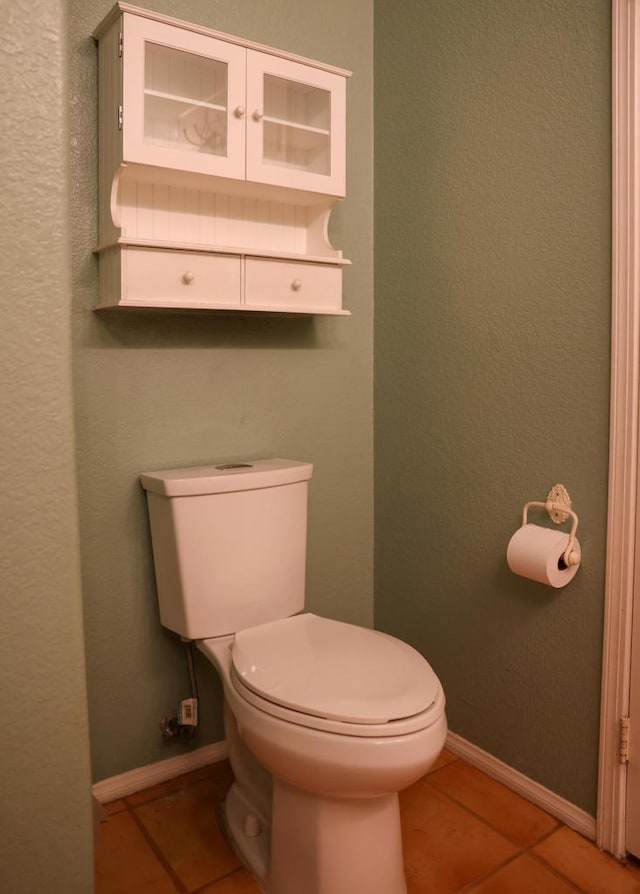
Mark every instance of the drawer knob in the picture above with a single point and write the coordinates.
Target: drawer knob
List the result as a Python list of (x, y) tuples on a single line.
[(296, 285), (188, 277)]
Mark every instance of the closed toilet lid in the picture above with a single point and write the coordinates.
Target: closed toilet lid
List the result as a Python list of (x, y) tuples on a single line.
[(330, 669)]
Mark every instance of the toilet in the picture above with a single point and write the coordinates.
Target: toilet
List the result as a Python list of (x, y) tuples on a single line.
[(325, 721)]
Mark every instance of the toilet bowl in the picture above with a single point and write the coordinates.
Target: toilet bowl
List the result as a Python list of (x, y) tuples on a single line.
[(325, 722), (342, 718)]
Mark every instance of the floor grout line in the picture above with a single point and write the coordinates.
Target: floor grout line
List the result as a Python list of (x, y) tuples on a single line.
[(174, 785), (485, 876), (494, 828), (156, 848), (557, 873), (222, 878), (522, 849), (428, 784), (159, 853)]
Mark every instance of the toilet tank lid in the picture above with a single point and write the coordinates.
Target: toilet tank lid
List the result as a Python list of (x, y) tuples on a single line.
[(226, 477)]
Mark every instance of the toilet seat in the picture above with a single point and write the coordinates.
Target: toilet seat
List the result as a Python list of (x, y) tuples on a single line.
[(335, 677), (396, 728)]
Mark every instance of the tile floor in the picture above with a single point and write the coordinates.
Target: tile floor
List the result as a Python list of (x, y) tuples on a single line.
[(462, 830)]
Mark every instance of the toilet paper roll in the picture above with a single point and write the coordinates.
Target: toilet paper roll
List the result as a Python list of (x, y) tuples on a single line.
[(537, 553)]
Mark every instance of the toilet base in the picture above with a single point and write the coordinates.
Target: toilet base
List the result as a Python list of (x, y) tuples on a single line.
[(325, 845), (320, 845), (249, 833)]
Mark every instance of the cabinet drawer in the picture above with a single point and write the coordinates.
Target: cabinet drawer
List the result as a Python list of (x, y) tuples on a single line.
[(292, 285), (160, 278)]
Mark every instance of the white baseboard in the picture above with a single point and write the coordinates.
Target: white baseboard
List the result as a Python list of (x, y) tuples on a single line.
[(142, 777), (568, 813)]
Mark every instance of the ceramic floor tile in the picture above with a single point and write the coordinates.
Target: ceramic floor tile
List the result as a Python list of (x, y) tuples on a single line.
[(587, 867), (444, 758), (220, 771), (524, 875), (445, 846), (114, 807), (126, 863), (514, 817), (240, 882), (184, 827)]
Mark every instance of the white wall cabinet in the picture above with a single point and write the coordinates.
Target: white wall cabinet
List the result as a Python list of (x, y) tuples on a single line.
[(220, 163)]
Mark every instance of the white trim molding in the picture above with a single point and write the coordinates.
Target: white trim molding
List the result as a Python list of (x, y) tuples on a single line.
[(623, 451), (542, 797), (142, 777)]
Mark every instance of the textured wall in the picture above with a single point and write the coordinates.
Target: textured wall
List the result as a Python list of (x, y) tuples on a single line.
[(46, 827), (158, 390), (492, 334)]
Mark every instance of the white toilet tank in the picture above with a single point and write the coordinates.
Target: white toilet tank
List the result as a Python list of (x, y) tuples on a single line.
[(229, 544)]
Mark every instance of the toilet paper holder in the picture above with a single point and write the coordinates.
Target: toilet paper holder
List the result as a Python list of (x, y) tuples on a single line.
[(558, 506)]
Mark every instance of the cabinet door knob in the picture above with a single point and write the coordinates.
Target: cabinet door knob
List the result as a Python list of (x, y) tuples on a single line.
[(257, 115), (296, 285), (188, 277), (239, 111)]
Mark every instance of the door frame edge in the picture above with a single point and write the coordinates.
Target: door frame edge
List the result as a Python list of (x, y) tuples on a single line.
[(623, 503)]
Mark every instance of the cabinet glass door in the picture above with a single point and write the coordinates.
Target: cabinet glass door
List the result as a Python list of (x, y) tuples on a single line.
[(295, 126), (183, 100)]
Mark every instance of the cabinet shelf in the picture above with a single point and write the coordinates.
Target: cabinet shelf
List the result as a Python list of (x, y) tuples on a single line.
[(244, 251), (186, 100), (281, 122), (168, 307)]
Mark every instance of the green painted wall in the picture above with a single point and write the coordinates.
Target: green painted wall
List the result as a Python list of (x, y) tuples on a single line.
[(492, 358), (157, 390), (492, 218), (46, 841)]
